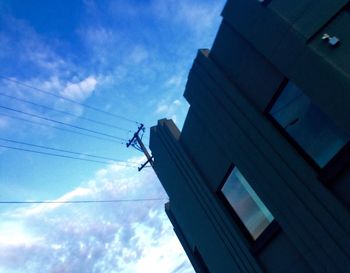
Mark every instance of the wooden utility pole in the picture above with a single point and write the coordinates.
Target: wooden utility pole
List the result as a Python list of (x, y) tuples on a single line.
[(137, 143)]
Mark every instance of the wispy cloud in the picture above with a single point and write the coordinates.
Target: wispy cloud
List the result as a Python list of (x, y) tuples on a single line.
[(195, 15), (138, 54), (129, 57), (121, 237), (174, 81), (4, 122), (44, 66), (81, 90), (31, 50), (171, 109), (102, 45), (168, 108)]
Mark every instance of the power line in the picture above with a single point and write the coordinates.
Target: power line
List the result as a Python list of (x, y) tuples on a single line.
[(68, 99), (85, 201), (61, 122), (63, 112), (66, 156), (62, 129), (64, 151)]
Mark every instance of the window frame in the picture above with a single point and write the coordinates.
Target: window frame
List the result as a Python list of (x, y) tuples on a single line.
[(335, 164), (269, 232)]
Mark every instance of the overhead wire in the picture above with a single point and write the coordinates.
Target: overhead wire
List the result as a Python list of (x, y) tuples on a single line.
[(62, 129), (67, 156), (85, 201), (68, 99), (63, 112), (61, 122), (65, 151)]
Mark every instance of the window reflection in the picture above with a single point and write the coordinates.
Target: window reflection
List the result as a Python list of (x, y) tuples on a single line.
[(246, 204), (313, 130)]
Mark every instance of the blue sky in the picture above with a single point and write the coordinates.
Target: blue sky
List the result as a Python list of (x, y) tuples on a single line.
[(129, 58)]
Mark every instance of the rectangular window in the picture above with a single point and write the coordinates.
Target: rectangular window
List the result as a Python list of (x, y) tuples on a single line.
[(251, 211), (316, 133)]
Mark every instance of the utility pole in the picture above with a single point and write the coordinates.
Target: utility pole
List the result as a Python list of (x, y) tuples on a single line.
[(137, 143)]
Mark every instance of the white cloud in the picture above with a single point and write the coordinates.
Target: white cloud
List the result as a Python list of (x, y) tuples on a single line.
[(174, 81), (168, 108), (80, 90), (79, 192), (196, 15), (43, 66), (177, 102), (175, 109), (159, 255), (199, 16), (4, 122), (138, 55), (115, 237), (14, 234), (71, 87), (162, 109), (52, 84), (102, 44), (30, 48)]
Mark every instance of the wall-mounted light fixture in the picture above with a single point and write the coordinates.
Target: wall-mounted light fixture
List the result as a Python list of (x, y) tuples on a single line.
[(332, 40)]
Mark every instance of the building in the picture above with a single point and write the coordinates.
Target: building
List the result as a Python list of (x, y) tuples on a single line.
[(259, 177)]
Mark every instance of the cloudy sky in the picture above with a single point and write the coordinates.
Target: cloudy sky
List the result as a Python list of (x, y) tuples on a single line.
[(126, 58)]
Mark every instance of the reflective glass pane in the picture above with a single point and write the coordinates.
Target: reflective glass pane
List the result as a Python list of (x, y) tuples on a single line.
[(247, 205), (313, 130)]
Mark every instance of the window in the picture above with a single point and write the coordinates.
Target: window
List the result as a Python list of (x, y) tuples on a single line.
[(316, 133), (245, 203)]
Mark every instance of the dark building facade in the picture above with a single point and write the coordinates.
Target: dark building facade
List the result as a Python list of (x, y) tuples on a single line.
[(259, 177)]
